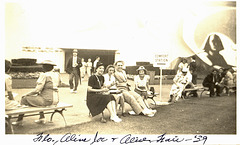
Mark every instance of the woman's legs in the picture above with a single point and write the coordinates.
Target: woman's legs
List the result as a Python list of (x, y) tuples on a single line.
[(41, 115), (128, 98), (139, 99), (122, 103), (19, 120), (117, 98), (111, 106)]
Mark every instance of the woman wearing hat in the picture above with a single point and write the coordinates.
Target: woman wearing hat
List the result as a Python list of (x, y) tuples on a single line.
[(180, 81), (98, 97), (142, 83), (44, 94)]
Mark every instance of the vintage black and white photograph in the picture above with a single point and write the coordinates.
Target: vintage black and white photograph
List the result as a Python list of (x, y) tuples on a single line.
[(120, 72)]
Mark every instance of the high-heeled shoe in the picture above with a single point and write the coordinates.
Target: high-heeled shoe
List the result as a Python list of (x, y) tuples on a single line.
[(17, 123), (115, 119), (41, 121)]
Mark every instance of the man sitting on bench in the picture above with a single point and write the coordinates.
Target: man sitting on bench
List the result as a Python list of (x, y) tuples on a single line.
[(45, 93), (180, 81), (212, 81)]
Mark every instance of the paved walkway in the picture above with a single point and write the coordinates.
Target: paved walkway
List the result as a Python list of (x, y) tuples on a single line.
[(77, 114)]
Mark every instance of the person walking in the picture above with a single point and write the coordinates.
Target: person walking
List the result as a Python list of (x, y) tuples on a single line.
[(73, 69)]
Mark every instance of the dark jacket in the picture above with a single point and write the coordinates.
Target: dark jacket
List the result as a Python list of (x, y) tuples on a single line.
[(209, 79), (69, 67), (193, 67)]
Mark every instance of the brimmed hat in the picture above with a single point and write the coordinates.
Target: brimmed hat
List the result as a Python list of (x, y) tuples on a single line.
[(75, 50), (142, 68), (99, 64), (49, 62)]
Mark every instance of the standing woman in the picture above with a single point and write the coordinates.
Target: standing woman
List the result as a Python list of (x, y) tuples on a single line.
[(44, 94), (83, 68), (89, 67), (98, 97), (182, 65)]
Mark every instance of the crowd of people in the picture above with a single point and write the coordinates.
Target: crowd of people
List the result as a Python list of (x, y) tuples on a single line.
[(109, 87)]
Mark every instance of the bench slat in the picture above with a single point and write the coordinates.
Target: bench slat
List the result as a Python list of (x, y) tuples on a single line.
[(37, 109)]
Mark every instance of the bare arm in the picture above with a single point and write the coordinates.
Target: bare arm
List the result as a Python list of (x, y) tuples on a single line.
[(90, 89)]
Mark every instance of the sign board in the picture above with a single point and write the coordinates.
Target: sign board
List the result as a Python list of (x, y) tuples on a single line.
[(161, 60)]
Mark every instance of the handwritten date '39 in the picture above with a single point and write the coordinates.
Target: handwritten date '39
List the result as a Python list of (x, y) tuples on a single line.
[(126, 139)]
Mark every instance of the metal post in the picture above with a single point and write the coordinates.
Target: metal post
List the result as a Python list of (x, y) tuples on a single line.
[(160, 84)]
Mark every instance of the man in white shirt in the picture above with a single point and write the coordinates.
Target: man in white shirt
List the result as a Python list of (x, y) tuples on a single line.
[(73, 69)]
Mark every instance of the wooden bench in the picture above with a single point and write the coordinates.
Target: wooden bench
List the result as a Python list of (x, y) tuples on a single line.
[(203, 89), (33, 111), (188, 90)]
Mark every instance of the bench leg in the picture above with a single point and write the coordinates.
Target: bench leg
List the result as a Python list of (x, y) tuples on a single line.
[(60, 112), (9, 124), (154, 102), (146, 103), (202, 92), (151, 99)]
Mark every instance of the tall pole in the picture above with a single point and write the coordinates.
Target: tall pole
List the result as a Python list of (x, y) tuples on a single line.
[(160, 94)]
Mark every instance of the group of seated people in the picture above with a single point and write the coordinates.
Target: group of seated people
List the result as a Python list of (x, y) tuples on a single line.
[(107, 88), (218, 79), (104, 91), (100, 96)]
